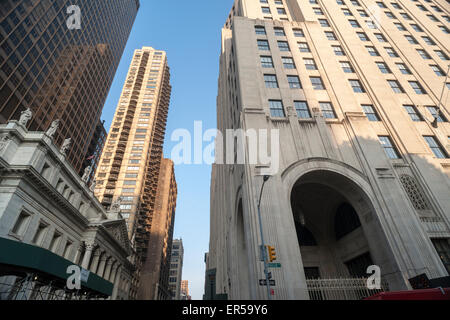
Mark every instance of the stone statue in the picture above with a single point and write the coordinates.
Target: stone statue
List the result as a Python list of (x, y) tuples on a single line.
[(115, 207), (93, 185), (87, 173), (4, 141), (52, 130), (66, 145), (25, 116)]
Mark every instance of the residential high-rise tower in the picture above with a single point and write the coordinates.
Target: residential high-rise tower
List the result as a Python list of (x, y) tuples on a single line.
[(129, 168)]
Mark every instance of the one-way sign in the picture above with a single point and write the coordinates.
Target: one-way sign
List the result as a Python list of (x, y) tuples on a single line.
[(263, 282)]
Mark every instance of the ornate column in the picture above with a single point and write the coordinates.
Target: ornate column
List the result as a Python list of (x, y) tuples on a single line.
[(102, 265), (95, 260), (113, 272), (87, 255), (116, 281), (78, 254), (108, 268)]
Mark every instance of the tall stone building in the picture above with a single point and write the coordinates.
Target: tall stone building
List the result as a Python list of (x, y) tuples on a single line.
[(62, 73), (353, 91), (154, 280), (176, 269), (129, 167)]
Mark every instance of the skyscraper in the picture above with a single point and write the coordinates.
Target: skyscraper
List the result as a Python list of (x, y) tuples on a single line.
[(129, 167), (353, 93), (58, 71), (176, 269)]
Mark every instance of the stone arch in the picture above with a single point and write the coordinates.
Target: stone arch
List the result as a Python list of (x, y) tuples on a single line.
[(348, 185), (242, 252)]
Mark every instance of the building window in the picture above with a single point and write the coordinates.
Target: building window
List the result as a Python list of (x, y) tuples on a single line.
[(303, 47), (370, 112), (330, 35), (271, 81), (338, 51), (357, 86), (442, 247), (417, 87), (437, 70), (265, 10), (298, 33), (383, 67), (327, 110), (288, 62), (276, 108), (301, 107), (317, 83), (411, 39), (266, 62), (413, 113), (354, 23), (260, 30), (436, 147), (310, 64), (362, 36), (263, 45), (372, 51), (21, 224), (423, 54), (389, 148), (437, 114), (391, 52), (347, 67), (279, 32), (294, 82), (396, 87), (324, 23), (403, 68), (283, 46)]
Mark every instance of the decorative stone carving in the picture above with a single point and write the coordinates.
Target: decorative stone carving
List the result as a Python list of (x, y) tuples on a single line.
[(66, 145), (52, 130), (414, 193), (87, 174), (93, 185), (25, 116), (115, 207), (4, 139)]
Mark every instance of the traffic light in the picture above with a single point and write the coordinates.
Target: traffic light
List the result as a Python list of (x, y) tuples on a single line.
[(272, 253)]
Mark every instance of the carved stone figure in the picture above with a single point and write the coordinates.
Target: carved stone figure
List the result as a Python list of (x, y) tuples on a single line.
[(4, 141), (93, 185), (52, 130), (25, 116), (86, 175), (66, 145), (115, 207)]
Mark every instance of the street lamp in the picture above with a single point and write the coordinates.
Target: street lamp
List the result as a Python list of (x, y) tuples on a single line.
[(263, 247)]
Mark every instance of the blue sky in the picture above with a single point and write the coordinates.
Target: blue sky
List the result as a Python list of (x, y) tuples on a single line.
[(190, 33)]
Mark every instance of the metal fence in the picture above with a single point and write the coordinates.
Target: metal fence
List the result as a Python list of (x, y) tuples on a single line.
[(341, 289)]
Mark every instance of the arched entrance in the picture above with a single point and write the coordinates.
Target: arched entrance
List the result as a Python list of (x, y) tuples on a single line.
[(329, 211), (242, 257)]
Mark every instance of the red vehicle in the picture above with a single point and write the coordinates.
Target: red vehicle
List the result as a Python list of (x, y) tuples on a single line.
[(425, 294)]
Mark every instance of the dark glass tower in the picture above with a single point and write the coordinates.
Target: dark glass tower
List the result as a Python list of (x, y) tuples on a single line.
[(62, 73)]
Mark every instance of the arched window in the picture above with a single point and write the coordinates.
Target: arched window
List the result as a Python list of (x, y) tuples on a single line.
[(345, 221), (304, 236)]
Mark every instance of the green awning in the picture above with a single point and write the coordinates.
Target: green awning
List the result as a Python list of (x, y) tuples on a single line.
[(18, 254)]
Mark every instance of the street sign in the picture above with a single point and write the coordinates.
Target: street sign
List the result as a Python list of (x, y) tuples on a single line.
[(263, 282), (274, 265)]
